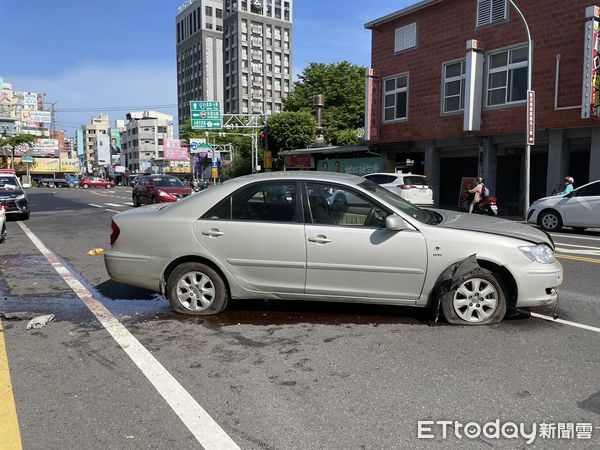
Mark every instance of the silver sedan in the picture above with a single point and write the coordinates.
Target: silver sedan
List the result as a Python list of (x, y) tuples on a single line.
[(276, 236)]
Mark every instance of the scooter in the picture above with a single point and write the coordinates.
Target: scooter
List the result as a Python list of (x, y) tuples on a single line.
[(487, 206)]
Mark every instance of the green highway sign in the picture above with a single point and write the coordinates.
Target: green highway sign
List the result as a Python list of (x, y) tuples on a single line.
[(206, 115), (27, 159)]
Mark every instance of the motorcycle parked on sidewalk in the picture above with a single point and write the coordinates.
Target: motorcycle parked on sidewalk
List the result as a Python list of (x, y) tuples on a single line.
[(487, 206)]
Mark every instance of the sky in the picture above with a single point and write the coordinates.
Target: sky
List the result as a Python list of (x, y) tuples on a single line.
[(115, 56)]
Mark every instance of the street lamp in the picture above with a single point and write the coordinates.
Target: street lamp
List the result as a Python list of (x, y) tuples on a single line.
[(529, 81)]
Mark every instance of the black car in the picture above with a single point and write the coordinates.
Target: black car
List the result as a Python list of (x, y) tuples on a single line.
[(12, 195)]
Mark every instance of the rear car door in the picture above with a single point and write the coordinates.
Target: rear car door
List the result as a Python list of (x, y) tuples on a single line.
[(258, 235), (351, 255)]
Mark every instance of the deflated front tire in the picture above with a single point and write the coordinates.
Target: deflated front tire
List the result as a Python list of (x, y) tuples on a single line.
[(478, 299)]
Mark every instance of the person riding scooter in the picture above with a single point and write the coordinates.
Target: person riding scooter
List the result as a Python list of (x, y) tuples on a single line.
[(565, 187)]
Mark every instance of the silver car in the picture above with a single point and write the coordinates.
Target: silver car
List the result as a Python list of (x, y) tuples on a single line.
[(276, 236)]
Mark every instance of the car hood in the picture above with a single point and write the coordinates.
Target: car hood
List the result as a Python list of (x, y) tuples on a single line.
[(10, 193), (549, 201), (493, 225)]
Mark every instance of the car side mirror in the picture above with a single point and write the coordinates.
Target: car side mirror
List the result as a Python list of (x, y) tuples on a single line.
[(395, 223)]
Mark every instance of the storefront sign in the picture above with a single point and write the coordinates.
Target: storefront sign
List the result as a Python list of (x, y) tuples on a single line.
[(372, 104), (36, 116), (530, 118), (173, 150), (590, 107), (298, 162), (354, 166)]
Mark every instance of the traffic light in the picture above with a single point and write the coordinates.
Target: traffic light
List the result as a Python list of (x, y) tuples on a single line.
[(263, 138)]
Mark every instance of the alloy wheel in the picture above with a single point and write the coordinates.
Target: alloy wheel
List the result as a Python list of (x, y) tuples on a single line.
[(195, 291), (549, 221), (475, 300)]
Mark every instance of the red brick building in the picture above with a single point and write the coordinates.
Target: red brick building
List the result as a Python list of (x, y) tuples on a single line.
[(449, 87)]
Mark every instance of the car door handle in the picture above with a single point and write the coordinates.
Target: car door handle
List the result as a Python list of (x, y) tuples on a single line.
[(320, 239), (212, 233)]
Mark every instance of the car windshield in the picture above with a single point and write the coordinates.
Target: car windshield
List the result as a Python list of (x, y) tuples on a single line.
[(396, 201), (168, 182), (8, 182)]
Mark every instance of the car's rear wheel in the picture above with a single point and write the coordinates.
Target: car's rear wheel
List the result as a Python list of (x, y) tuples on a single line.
[(153, 200), (71, 185), (478, 300), (550, 220), (108, 186), (196, 289), (51, 185), (86, 186)]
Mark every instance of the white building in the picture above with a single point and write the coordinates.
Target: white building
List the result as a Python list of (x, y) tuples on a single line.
[(98, 126), (143, 139)]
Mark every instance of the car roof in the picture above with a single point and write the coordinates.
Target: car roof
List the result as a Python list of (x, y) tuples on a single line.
[(334, 177)]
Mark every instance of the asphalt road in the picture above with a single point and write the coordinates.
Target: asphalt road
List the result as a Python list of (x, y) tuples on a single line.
[(278, 374)]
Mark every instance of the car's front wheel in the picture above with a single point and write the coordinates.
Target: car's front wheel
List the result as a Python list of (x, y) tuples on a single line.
[(550, 220), (108, 186), (136, 201), (478, 300), (196, 289)]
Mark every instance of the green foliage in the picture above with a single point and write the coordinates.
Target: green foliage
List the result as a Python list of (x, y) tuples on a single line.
[(342, 84), (19, 140), (291, 130), (342, 137)]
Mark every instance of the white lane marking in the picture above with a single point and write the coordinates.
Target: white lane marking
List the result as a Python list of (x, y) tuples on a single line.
[(578, 251), (562, 244), (114, 204), (95, 206), (204, 428), (570, 236), (128, 204), (112, 210), (564, 322)]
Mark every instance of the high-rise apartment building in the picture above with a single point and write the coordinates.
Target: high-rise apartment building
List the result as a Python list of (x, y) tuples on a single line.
[(98, 126), (257, 41), (199, 31)]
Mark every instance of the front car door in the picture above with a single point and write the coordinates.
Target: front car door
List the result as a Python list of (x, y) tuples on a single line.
[(582, 208), (351, 255), (258, 234)]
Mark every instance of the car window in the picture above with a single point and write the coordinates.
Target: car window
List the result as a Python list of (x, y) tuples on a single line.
[(589, 191), (335, 205), (381, 178), (167, 182), (262, 202), (398, 202), (415, 181)]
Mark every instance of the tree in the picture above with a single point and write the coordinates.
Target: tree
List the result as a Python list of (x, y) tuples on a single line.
[(15, 142), (291, 130), (343, 85)]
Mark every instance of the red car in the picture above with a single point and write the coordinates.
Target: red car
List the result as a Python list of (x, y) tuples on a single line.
[(159, 189), (95, 182)]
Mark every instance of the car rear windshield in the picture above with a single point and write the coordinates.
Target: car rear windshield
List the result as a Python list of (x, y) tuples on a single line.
[(416, 181), (398, 202), (167, 182)]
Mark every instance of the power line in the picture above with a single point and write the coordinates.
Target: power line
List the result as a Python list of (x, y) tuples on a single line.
[(114, 108)]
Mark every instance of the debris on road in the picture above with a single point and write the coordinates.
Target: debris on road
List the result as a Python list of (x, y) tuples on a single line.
[(96, 252), (20, 315), (40, 322)]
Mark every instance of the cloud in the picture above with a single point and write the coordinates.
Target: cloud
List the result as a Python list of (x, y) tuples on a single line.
[(102, 87)]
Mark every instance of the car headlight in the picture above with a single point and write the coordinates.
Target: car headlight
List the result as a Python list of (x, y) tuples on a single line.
[(163, 194), (20, 197), (540, 253)]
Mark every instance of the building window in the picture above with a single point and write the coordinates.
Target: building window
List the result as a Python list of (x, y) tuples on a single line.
[(219, 13), (405, 37), (208, 11), (507, 77), (454, 86), (491, 11), (395, 98)]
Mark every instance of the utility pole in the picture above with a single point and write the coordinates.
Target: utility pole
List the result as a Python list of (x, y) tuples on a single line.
[(526, 192)]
